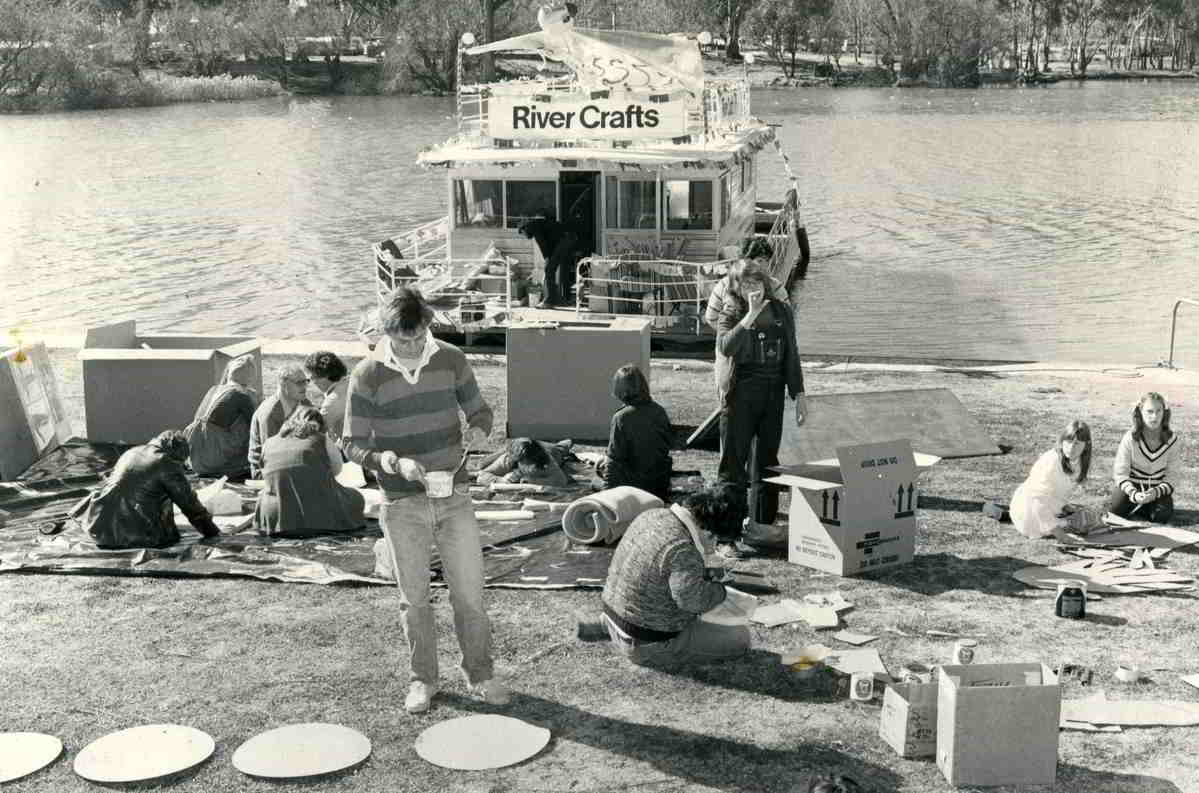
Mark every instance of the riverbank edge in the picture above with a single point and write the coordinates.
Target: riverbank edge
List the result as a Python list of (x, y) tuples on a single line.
[(1155, 373), (363, 79)]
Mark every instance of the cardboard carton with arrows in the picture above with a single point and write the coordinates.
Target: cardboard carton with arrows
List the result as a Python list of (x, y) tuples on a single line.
[(856, 513)]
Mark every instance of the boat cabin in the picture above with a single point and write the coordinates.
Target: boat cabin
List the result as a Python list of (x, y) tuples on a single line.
[(656, 175)]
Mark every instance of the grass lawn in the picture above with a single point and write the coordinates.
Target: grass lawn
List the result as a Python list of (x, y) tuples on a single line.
[(82, 656)]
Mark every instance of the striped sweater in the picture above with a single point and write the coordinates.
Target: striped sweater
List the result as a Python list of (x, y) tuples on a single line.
[(415, 420), (1138, 469), (656, 578)]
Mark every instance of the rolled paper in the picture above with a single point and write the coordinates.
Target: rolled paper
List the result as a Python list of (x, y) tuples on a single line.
[(504, 514), (603, 517), (516, 487)]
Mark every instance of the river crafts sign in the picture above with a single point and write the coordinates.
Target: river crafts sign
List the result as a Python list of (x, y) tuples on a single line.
[(572, 116)]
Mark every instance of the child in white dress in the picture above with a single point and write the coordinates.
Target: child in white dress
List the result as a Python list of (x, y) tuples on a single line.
[(1039, 505)]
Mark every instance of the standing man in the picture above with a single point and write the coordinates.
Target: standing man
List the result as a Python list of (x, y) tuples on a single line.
[(403, 420), (557, 243), (269, 416)]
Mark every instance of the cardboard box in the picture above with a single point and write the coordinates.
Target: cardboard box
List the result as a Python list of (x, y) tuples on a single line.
[(856, 513), (908, 722), (560, 378), (32, 419), (136, 386), (997, 724)]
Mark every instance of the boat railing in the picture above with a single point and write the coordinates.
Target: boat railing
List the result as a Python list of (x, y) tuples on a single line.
[(674, 293), (1169, 362), (462, 292)]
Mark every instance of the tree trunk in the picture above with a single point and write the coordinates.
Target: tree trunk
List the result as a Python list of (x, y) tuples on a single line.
[(488, 37), (732, 50)]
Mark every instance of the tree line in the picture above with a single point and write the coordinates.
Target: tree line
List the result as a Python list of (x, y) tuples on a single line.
[(69, 47)]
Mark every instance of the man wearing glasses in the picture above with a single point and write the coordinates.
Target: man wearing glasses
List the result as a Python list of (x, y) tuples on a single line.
[(270, 415)]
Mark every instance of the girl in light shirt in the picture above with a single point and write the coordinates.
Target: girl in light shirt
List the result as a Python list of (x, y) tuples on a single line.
[(1039, 506)]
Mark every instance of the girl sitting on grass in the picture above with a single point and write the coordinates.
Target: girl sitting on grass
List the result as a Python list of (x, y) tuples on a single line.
[(1143, 462), (640, 440), (1039, 505)]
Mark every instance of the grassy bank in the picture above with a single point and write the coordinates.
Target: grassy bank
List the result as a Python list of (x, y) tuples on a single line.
[(87, 655), (115, 89)]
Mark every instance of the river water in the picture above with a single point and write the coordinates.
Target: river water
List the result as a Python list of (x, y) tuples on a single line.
[(1049, 223)]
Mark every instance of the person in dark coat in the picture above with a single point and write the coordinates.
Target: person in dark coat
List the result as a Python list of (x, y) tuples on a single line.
[(135, 508), (557, 243), (640, 441), (302, 497)]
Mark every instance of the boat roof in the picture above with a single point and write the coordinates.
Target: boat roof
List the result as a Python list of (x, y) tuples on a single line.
[(730, 147)]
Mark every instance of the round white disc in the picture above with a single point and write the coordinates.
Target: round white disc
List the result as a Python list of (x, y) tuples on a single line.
[(475, 743), (140, 754), (301, 750), (22, 753)]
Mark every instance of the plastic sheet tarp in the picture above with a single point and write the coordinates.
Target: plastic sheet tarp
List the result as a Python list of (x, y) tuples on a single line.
[(523, 554)]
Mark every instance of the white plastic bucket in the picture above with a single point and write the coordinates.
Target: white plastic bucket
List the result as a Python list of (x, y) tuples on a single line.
[(439, 484)]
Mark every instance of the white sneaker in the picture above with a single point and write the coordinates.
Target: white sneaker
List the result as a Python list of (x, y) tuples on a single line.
[(420, 697), (492, 691)]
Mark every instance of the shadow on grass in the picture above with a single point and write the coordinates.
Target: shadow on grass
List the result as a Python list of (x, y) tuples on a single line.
[(936, 573), (761, 672), (700, 759), (949, 504), (1077, 779)]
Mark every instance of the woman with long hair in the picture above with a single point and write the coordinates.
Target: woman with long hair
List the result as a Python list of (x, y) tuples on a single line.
[(758, 365), (301, 497), (1141, 488), (1039, 505)]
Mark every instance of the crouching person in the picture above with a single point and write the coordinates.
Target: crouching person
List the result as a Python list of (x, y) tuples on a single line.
[(657, 586), (302, 497), (135, 508)]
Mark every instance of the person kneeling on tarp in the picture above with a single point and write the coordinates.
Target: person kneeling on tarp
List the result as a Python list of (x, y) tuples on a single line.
[(658, 588), (640, 440), (135, 509), (301, 497), (219, 435), (529, 461)]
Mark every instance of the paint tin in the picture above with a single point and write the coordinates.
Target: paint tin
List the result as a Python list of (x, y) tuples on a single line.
[(1071, 600), (964, 651), (861, 686), (1128, 674), (439, 484)]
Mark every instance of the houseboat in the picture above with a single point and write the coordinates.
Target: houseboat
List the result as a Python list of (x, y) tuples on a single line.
[(652, 166)]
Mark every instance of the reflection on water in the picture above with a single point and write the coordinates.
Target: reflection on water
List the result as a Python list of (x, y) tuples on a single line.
[(1044, 223)]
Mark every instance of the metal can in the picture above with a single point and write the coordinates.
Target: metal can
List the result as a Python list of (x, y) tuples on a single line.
[(1071, 600), (861, 686), (964, 651)]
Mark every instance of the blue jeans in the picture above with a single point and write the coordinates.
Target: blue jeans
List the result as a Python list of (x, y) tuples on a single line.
[(699, 643), (411, 524)]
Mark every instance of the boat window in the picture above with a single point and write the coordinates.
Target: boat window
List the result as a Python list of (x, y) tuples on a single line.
[(478, 202), (726, 199), (528, 200), (630, 204), (688, 204)]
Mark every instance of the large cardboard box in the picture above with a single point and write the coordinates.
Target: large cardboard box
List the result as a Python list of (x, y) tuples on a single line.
[(997, 724), (856, 513), (908, 722), (136, 386), (560, 378)]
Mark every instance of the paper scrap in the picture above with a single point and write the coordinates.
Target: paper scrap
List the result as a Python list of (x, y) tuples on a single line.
[(834, 600), (776, 614), (850, 661), (1191, 680), (1083, 726), (849, 637)]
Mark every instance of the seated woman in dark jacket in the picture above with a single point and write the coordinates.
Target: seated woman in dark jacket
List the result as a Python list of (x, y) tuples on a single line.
[(640, 440), (301, 497), (219, 434), (135, 508)]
